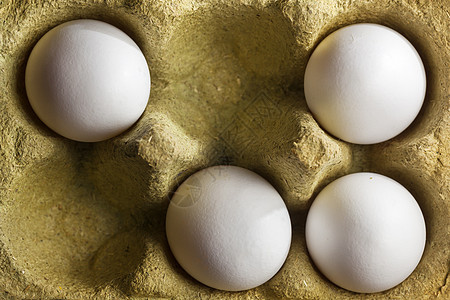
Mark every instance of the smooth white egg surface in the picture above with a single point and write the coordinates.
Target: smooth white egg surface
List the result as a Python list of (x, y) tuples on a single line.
[(365, 83), (365, 232), (228, 228), (87, 80)]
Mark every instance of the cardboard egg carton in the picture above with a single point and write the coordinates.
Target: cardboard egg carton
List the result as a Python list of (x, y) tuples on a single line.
[(82, 220)]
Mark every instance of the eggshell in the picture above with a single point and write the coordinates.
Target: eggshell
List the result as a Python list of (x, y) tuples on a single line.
[(365, 83), (365, 232), (87, 80), (228, 228)]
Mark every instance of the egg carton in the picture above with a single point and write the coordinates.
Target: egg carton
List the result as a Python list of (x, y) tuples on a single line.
[(87, 220)]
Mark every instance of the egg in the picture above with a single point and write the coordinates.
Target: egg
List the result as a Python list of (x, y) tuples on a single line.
[(365, 83), (87, 80), (365, 232), (228, 228)]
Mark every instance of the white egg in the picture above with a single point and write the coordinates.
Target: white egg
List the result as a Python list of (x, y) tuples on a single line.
[(228, 228), (87, 80), (365, 232), (365, 83)]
